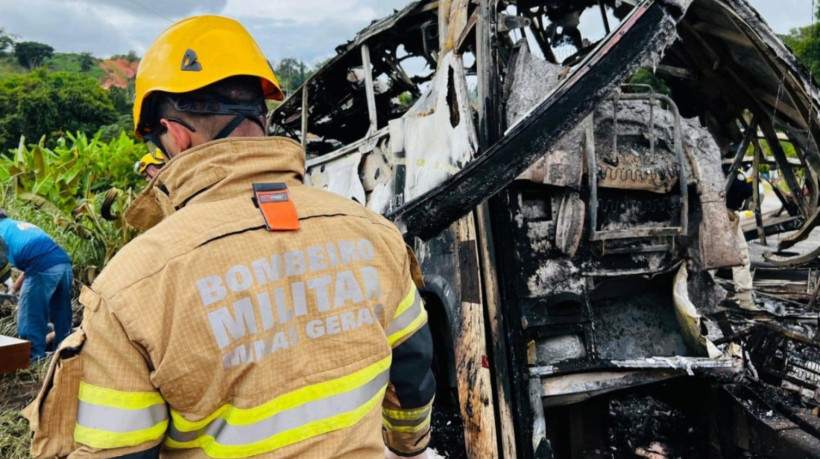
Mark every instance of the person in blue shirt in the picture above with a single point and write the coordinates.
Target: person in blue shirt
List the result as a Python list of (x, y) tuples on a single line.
[(45, 285), (5, 266)]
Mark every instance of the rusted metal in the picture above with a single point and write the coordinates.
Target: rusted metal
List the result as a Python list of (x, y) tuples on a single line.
[(682, 179)]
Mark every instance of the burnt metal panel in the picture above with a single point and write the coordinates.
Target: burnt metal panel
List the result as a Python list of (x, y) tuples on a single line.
[(649, 29)]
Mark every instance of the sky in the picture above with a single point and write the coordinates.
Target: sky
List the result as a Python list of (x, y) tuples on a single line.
[(308, 30)]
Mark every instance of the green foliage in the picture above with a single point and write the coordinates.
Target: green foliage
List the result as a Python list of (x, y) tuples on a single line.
[(132, 56), (291, 73), (41, 103), (16, 438), (406, 99), (31, 53), (805, 43), (74, 63), (9, 66), (16, 390), (6, 42), (122, 98), (787, 147), (645, 77), (61, 189), (86, 61)]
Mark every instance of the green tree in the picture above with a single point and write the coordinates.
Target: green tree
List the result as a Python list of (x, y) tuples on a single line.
[(86, 61), (291, 73), (122, 98), (132, 56), (31, 53), (805, 43), (6, 42), (40, 103)]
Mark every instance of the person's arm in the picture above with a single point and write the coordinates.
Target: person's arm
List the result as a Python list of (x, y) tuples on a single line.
[(408, 402), (5, 266), (18, 284), (98, 400)]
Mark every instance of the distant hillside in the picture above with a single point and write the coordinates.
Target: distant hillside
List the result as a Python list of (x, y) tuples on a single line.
[(109, 72), (118, 72)]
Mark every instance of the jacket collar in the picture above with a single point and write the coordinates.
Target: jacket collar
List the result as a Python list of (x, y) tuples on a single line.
[(217, 170)]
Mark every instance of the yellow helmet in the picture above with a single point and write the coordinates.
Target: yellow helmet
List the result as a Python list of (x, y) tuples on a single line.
[(156, 158), (195, 53)]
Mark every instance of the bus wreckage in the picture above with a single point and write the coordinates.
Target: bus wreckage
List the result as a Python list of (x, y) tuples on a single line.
[(571, 222)]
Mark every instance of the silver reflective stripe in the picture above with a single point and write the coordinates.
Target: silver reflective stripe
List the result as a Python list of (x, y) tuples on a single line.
[(408, 422), (399, 323), (236, 435), (118, 419)]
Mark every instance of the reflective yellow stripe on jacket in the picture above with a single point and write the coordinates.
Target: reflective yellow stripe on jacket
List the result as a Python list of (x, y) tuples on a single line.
[(108, 418), (287, 419), (409, 316), (407, 421)]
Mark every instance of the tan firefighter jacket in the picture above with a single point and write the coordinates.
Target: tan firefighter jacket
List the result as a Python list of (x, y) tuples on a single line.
[(211, 335)]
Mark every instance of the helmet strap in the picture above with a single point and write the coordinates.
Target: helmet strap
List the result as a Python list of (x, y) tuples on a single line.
[(237, 120), (153, 138)]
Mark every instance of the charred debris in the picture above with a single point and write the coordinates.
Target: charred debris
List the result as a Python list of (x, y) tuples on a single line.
[(571, 225)]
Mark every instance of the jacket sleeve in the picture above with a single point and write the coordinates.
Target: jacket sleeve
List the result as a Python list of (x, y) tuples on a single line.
[(408, 402), (97, 400)]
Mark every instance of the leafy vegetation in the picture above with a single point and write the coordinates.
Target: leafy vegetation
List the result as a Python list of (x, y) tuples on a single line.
[(61, 189), (805, 43), (31, 53), (41, 103), (84, 64), (645, 77), (292, 73), (6, 41)]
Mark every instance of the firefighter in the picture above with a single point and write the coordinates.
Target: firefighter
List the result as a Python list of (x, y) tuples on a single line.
[(255, 316), (150, 164)]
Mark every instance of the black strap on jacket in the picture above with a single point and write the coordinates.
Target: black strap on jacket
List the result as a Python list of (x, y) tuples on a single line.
[(410, 371)]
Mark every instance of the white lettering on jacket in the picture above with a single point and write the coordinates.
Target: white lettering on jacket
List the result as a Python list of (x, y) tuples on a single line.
[(263, 301)]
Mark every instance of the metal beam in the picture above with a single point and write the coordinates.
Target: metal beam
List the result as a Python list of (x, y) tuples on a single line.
[(369, 91)]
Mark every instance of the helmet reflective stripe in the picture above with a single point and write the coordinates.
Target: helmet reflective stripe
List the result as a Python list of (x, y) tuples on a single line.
[(195, 53)]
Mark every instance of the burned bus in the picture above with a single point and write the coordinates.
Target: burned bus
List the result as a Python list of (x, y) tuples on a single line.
[(559, 167)]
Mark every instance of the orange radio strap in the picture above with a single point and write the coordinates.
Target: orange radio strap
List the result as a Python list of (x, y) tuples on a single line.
[(273, 200)]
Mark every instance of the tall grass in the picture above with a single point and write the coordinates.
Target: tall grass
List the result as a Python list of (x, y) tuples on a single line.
[(16, 438), (16, 391)]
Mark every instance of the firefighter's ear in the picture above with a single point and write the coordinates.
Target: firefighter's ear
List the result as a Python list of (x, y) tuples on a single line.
[(176, 138)]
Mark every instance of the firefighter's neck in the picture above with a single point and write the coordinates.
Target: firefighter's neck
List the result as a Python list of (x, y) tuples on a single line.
[(177, 138)]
